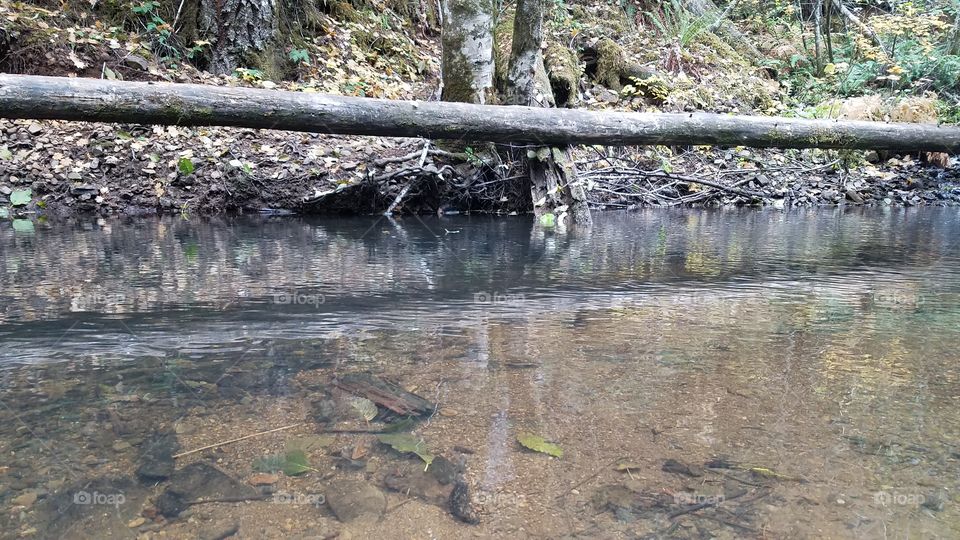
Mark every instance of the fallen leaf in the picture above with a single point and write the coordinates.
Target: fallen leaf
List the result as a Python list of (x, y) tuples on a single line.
[(539, 444)]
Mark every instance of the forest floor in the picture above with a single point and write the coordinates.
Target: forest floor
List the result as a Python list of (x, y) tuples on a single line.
[(68, 168)]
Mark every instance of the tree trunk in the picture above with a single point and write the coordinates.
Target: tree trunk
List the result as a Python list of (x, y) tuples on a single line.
[(467, 41), (818, 36), (553, 177), (867, 31), (96, 100), (955, 34), (237, 30)]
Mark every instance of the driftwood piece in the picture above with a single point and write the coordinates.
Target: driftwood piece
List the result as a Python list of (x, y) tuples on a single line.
[(385, 394)]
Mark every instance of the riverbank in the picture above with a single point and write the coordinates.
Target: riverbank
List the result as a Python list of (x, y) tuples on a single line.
[(80, 168)]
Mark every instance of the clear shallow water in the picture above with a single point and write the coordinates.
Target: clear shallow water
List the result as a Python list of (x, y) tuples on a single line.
[(815, 353)]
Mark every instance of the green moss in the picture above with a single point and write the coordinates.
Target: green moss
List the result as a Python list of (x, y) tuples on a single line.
[(344, 11), (610, 64), (458, 75), (716, 48), (564, 71), (272, 62), (502, 44)]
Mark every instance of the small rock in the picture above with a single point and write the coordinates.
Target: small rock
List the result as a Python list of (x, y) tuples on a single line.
[(25, 499), (219, 530), (934, 503), (34, 128), (352, 500), (608, 96), (156, 462), (854, 196), (676, 467), (136, 522), (120, 446), (263, 479), (460, 504), (137, 61)]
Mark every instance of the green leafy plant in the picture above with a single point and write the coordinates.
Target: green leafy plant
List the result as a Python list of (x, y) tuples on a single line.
[(21, 197), (248, 74), (185, 165), (300, 56), (673, 21), (161, 32)]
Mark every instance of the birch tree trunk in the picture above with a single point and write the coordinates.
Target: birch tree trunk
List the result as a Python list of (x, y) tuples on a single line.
[(553, 177), (467, 41)]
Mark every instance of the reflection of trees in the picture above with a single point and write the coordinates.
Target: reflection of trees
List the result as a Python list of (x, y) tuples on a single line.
[(147, 265)]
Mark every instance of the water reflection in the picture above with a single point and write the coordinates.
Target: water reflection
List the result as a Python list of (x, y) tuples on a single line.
[(812, 352)]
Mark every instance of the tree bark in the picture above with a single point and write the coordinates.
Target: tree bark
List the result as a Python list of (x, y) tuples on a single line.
[(552, 175), (955, 33), (818, 35), (467, 41), (236, 29), (95, 100)]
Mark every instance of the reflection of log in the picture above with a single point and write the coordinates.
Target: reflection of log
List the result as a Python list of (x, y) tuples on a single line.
[(385, 394), (23, 96)]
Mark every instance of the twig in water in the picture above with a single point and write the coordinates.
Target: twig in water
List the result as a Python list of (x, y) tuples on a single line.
[(238, 439)]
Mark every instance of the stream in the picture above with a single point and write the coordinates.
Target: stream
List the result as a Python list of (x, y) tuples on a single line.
[(664, 374)]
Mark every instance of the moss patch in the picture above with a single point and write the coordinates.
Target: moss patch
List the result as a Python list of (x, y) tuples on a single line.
[(564, 71), (610, 64), (502, 44)]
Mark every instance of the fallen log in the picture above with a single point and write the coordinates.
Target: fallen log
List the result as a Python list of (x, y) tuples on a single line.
[(92, 100)]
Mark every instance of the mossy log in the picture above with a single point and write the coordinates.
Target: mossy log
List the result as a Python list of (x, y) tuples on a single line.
[(94, 100)]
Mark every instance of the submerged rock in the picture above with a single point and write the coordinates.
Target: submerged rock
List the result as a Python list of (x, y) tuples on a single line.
[(218, 530), (352, 500), (676, 467), (98, 508), (441, 485), (156, 461), (461, 505), (201, 481)]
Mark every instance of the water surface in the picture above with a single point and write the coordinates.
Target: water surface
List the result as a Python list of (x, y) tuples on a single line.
[(798, 368)]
